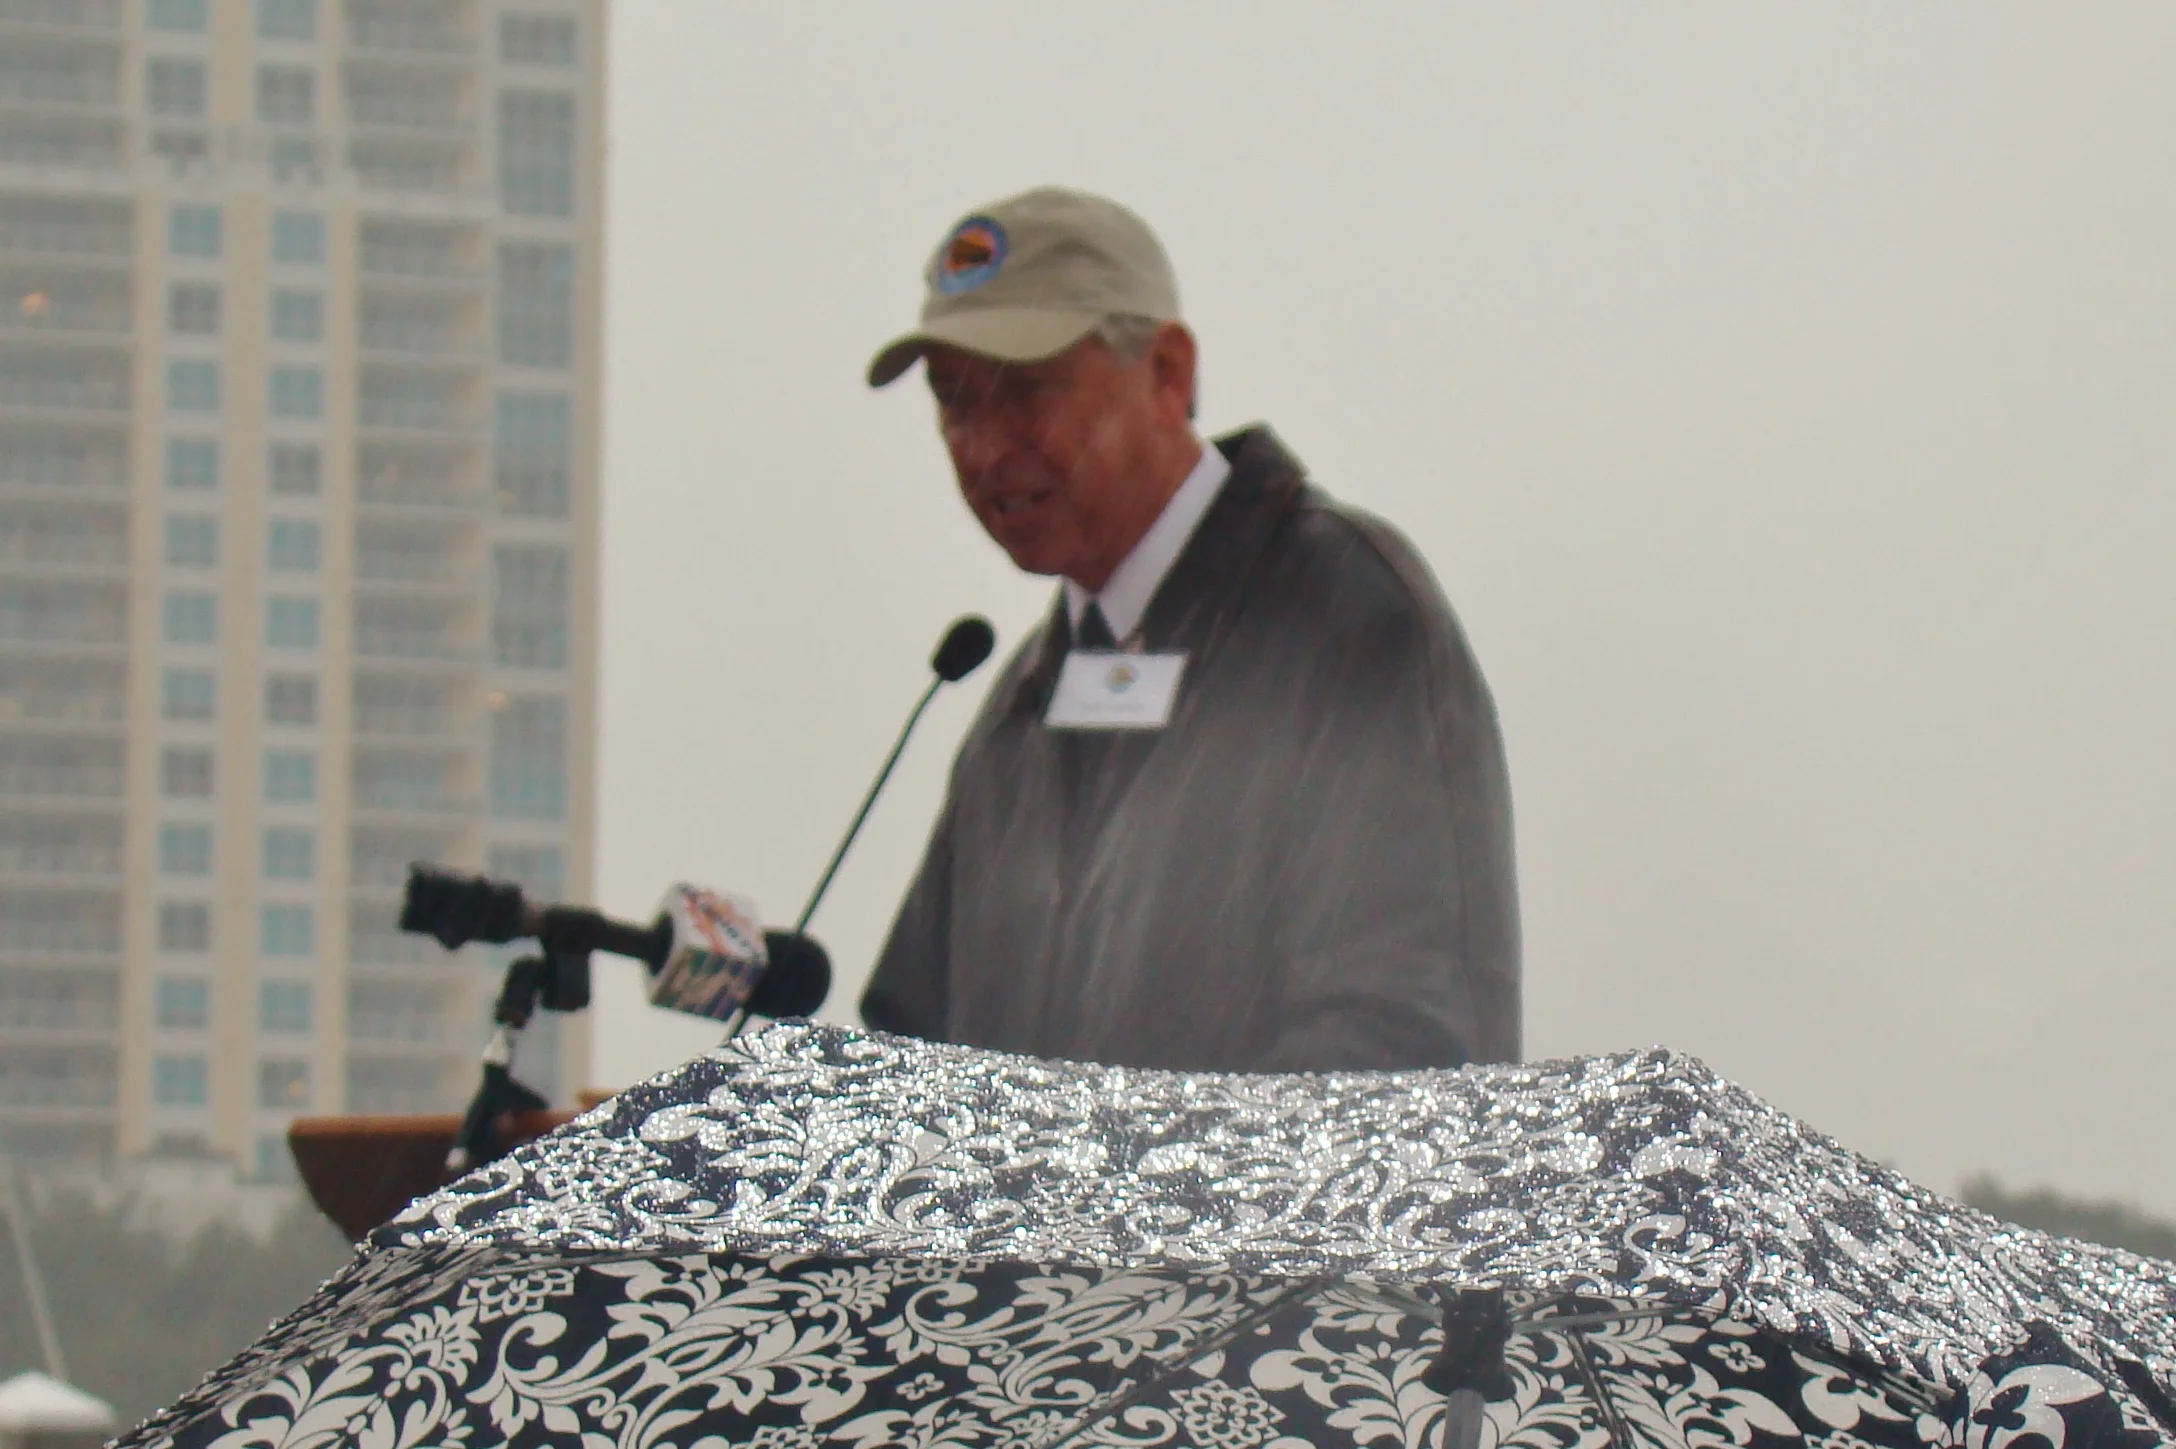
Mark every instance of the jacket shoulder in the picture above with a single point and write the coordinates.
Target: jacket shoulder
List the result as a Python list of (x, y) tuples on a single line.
[(1365, 565)]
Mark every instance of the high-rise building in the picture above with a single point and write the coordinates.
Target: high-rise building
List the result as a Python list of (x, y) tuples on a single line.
[(299, 348)]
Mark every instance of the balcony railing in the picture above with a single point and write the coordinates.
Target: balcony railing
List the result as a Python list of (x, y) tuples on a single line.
[(400, 35), (35, 383), (58, 1001), (34, 139), (426, 645), (70, 858), (78, 923), (405, 566), (30, 230), (35, 783), (37, 540), (404, 116), (44, 77), (436, 337), (67, 14), (35, 700)]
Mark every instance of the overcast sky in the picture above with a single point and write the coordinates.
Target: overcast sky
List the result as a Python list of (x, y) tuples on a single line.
[(1784, 395)]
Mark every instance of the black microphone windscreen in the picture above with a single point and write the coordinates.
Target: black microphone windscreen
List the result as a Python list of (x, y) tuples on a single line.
[(798, 980), (966, 644)]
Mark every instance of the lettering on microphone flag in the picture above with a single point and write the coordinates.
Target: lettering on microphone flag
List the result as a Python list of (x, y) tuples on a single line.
[(717, 954)]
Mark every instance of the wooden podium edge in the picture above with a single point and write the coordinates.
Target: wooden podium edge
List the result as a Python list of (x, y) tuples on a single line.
[(360, 1171)]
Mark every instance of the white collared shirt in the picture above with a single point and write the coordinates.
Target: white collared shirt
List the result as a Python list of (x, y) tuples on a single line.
[(1126, 596)]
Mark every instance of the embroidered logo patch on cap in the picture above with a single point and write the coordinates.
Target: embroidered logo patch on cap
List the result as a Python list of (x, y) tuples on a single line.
[(971, 255)]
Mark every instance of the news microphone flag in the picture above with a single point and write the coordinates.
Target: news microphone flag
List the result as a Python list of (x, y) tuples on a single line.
[(717, 957)]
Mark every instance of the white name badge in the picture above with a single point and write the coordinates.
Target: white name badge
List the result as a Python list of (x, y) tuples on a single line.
[(1099, 690)]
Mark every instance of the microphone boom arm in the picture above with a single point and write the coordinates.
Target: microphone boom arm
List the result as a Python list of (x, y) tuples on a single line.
[(868, 803)]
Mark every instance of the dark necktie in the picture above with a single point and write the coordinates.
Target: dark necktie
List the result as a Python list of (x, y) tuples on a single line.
[(1095, 630)]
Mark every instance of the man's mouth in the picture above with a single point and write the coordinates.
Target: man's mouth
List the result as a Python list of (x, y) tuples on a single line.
[(1009, 505)]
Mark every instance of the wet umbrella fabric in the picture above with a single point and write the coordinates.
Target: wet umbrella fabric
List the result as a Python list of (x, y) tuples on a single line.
[(820, 1237)]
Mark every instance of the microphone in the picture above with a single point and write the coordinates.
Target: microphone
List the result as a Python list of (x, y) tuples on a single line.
[(718, 963), (960, 653), (705, 951)]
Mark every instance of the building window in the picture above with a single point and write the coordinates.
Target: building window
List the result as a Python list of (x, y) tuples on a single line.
[(529, 606), (298, 238), (192, 385), (193, 231), (297, 392), (290, 699), (184, 1003), (540, 870), (185, 850), (174, 87), (536, 152), (529, 759), (295, 469), (291, 623), (531, 459), (290, 853), (287, 19), (180, 1081), (186, 774), (176, 14), (192, 308), (191, 618), (293, 546), (192, 541), (298, 316), (283, 1006), (536, 40), (192, 463), (187, 694), (185, 927), (286, 95), (286, 930), (536, 304), (290, 777), (283, 1084)]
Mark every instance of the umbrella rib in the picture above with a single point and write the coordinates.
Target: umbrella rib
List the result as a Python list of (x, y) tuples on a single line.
[(1619, 1436), (1231, 1332)]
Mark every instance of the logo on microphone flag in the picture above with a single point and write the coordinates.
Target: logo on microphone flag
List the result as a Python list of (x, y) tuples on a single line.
[(717, 956)]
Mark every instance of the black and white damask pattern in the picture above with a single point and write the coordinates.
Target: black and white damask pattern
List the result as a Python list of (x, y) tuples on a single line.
[(819, 1237)]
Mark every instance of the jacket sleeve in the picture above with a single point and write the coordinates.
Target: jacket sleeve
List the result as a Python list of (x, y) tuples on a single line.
[(1404, 929), (907, 992)]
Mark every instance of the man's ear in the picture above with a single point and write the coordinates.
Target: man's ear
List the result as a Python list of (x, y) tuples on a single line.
[(1174, 357)]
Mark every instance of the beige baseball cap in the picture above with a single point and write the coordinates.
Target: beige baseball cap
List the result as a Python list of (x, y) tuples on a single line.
[(1027, 277)]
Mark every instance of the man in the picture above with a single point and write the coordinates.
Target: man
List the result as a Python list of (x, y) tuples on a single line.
[(1240, 802)]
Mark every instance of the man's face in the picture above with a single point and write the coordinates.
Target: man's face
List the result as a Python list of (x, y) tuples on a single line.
[(1052, 456)]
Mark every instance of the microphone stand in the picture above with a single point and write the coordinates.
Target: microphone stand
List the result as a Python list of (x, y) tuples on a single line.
[(550, 977), (868, 802)]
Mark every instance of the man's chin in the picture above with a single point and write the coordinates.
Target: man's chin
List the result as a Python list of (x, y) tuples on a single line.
[(1034, 557)]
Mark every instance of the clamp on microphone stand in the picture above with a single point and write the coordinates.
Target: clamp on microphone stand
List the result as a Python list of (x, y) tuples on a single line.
[(557, 980)]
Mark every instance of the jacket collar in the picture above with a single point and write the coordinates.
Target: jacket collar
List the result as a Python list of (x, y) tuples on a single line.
[(1266, 482)]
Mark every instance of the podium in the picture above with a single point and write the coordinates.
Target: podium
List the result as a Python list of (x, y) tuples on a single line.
[(360, 1171)]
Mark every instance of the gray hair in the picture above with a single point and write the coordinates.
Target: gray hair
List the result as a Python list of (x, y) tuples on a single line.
[(1129, 335)]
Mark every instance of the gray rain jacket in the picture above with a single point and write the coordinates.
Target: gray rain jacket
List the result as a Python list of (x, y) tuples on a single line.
[(1308, 869)]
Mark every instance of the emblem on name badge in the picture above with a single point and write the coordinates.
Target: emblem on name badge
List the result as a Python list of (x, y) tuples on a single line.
[(971, 255), (1121, 678)]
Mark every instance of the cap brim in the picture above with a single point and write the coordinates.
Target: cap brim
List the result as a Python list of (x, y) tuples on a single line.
[(1005, 333)]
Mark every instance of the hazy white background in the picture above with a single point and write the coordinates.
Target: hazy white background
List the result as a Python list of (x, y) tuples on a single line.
[(1785, 396)]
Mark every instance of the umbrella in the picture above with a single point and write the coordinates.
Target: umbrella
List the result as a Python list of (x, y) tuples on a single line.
[(819, 1237)]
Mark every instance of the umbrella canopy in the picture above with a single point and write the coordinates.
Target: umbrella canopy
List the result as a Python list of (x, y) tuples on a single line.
[(820, 1237)]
